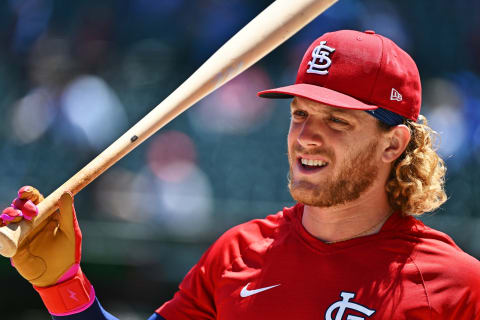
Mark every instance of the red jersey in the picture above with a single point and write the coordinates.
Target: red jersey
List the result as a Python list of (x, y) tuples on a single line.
[(273, 268)]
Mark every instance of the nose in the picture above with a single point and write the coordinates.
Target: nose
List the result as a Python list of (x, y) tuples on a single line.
[(310, 134)]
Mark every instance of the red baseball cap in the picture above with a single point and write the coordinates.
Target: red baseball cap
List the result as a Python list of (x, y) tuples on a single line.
[(358, 70)]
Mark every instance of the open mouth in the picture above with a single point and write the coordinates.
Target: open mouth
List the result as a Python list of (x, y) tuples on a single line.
[(311, 164)]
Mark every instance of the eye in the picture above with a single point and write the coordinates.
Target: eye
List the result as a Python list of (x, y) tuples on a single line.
[(299, 114), (338, 121)]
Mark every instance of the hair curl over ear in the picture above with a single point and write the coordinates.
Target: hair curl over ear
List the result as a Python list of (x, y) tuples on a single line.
[(417, 179)]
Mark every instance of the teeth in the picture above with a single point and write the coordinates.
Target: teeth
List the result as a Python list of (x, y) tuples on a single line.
[(310, 162)]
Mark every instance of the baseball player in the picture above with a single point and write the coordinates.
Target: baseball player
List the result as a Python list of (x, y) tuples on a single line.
[(362, 165)]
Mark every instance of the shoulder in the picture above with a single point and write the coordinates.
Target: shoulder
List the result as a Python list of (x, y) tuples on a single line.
[(248, 242), (438, 250), (449, 275), (435, 244), (258, 233)]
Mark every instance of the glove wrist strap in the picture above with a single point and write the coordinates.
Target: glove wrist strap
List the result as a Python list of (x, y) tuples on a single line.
[(69, 297)]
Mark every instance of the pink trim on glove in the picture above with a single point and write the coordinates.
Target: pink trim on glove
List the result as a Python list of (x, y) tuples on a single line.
[(28, 208), (22, 190), (10, 213), (70, 273)]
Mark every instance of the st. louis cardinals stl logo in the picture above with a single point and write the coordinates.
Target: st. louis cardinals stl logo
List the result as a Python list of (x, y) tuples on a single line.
[(342, 307), (320, 59)]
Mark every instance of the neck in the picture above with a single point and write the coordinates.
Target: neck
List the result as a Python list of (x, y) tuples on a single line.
[(347, 221)]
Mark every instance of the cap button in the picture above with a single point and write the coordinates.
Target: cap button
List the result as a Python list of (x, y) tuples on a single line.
[(369, 31)]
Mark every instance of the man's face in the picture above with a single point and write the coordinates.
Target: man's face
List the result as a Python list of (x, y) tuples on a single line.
[(333, 153)]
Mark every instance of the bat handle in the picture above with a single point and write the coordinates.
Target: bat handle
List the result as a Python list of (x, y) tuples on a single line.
[(12, 235)]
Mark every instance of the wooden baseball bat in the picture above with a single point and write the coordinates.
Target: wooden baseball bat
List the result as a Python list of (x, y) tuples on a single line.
[(269, 29)]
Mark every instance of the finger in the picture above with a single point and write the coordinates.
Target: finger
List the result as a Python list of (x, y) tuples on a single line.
[(69, 224), (30, 193), (10, 215), (67, 212), (28, 208)]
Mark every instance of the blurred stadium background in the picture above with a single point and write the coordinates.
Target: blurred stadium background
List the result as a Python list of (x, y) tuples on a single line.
[(74, 75)]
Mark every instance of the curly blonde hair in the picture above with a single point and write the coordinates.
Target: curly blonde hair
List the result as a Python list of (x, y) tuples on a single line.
[(417, 178)]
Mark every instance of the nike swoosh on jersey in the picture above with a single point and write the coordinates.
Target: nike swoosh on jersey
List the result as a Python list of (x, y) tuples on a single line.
[(246, 293)]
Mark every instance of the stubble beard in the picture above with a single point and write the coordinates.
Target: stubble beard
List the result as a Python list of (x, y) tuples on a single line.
[(357, 173)]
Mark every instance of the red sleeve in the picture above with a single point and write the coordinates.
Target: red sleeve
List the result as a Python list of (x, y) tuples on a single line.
[(194, 299), (198, 293)]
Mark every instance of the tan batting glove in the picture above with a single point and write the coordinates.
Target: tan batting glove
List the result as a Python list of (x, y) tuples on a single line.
[(51, 253), (49, 258)]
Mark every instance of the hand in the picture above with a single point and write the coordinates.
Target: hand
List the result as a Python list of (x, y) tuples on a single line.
[(49, 258), (51, 253)]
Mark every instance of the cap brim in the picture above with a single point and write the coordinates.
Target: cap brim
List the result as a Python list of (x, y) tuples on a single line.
[(318, 94)]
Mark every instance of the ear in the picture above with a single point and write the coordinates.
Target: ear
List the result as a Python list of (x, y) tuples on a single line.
[(397, 140)]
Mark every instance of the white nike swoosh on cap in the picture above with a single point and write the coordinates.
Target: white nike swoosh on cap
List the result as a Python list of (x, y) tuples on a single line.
[(245, 292)]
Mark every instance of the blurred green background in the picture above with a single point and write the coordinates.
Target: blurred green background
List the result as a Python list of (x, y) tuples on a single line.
[(75, 75)]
